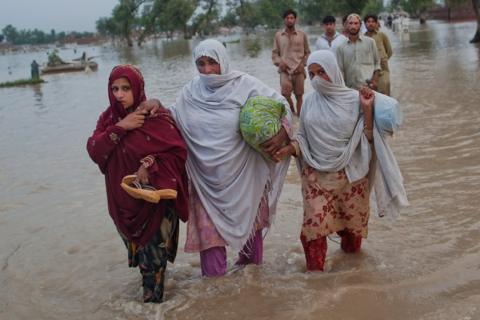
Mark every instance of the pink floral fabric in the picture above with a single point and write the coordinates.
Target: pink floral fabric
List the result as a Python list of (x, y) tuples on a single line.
[(332, 204), (201, 232)]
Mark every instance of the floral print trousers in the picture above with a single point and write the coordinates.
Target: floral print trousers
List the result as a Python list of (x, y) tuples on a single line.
[(332, 205)]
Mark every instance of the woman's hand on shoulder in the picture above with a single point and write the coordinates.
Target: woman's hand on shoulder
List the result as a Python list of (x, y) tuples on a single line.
[(133, 120), (151, 106)]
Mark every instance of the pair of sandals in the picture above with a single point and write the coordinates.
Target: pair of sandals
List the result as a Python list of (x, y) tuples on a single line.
[(137, 190)]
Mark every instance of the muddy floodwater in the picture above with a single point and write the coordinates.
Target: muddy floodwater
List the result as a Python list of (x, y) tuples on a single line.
[(61, 257)]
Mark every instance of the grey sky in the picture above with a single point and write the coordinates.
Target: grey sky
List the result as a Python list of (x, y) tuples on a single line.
[(61, 15)]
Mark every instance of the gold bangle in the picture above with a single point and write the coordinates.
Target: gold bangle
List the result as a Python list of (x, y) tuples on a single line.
[(147, 162)]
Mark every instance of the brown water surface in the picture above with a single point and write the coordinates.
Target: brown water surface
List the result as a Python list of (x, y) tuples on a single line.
[(61, 258)]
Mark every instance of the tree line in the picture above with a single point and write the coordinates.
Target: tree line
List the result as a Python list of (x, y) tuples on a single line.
[(138, 19), (135, 20), (35, 36)]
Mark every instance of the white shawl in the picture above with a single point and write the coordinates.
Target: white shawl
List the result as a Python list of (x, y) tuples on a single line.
[(229, 176), (331, 138)]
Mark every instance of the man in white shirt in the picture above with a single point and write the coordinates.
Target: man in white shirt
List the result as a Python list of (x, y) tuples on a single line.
[(330, 39)]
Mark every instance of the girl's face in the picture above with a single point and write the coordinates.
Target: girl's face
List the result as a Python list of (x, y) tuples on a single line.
[(123, 92), (207, 65), (317, 70)]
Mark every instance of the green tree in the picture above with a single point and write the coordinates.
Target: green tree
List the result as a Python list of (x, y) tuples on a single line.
[(372, 7), (176, 16), (10, 33), (271, 11), (207, 21), (230, 19), (352, 6), (247, 14), (313, 11), (106, 27), (149, 20), (124, 16)]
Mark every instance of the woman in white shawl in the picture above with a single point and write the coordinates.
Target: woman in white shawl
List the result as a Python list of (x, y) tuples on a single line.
[(234, 190), (343, 160)]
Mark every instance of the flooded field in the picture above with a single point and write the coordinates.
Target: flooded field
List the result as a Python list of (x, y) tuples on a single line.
[(61, 257)]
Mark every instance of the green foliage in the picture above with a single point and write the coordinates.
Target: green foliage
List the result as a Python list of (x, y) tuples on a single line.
[(207, 21), (229, 19), (124, 18), (271, 11), (22, 82), (313, 11), (106, 27), (250, 14), (162, 16), (54, 59), (11, 33), (372, 7), (36, 36), (352, 6), (247, 13), (176, 15)]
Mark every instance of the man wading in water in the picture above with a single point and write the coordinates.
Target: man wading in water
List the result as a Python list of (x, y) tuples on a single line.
[(289, 54)]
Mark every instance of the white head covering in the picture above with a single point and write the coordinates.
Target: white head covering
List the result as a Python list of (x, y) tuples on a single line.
[(215, 50), (331, 137), (228, 175)]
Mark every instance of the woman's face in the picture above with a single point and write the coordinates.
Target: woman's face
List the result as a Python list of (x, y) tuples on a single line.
[(123, 92), (317, 70), (207, 65)]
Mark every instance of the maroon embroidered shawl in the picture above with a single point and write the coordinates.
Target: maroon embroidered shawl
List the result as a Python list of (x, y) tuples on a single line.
[(118, 153)]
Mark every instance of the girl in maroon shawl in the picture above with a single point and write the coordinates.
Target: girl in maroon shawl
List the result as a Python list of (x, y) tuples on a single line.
[(130, 139)]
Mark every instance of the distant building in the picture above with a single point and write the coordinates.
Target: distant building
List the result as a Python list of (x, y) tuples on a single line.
[(461, 12)]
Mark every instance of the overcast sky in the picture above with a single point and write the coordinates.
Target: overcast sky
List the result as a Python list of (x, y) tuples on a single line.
[(61, 15)]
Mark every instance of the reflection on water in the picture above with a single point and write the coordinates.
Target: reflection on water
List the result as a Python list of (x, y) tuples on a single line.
[(61, 258), (38, 96), (253, 47), (173, 48)]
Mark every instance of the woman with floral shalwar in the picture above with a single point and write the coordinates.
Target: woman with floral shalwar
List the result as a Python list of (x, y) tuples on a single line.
[(342, 159)]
